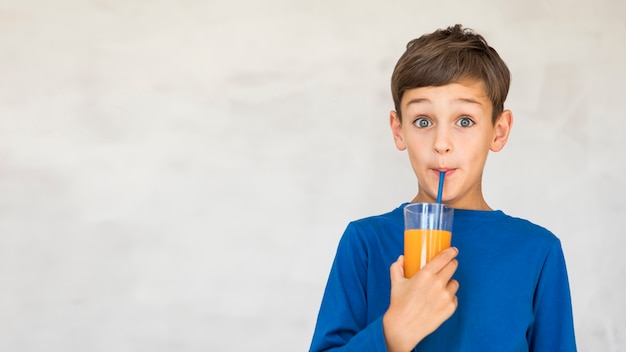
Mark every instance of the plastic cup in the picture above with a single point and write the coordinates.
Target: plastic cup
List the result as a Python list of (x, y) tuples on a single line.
[(427, 231)]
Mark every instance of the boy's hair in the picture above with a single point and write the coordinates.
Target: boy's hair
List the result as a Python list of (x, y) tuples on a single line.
[(451, 55)]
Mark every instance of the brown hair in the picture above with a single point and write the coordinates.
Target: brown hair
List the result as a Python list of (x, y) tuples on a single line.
[(447, 56)]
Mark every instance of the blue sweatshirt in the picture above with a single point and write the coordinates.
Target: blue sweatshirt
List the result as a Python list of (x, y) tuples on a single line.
[(513, 295)]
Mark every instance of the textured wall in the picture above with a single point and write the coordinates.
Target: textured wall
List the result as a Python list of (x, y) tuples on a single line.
[(175, 175)]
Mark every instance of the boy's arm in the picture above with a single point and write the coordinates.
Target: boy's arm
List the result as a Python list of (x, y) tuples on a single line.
[(342, 319), (553, 328)]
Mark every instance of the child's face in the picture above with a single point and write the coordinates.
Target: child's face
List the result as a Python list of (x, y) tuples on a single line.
[(449, 128)]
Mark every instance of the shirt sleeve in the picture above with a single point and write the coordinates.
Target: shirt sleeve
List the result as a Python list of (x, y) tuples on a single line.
[(342, 319), (553, 328)]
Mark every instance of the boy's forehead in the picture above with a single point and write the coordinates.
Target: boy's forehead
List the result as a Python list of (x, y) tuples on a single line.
[(468, 91)]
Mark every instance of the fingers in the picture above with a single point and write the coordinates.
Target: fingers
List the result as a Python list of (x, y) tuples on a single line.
[(396, 271), (452, 287), (443, 265), (442, 259), (448, 270)]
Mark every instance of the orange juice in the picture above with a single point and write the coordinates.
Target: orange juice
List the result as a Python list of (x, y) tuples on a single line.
[(422, 245)]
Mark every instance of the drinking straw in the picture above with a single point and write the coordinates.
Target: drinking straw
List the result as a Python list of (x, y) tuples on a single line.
[(442, 175)]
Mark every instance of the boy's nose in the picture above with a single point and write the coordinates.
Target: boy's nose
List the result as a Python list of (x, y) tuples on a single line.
[(441, 149), (442, 143)]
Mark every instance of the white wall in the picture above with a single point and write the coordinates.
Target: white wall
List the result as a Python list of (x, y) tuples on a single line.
[(175, 175)]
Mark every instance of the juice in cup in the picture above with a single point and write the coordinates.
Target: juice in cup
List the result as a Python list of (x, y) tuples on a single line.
[(427, 231), (422, 245)]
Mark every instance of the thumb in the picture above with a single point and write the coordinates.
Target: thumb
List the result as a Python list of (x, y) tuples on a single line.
[(396, 271)]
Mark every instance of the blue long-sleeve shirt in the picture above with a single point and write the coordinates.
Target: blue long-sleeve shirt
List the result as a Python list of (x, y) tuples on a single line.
[(513, 296)]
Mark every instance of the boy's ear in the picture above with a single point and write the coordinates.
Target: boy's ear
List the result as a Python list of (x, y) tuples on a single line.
[(502, 129), (396, 130)]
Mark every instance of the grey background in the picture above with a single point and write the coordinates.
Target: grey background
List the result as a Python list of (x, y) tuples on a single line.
[(175, 175)]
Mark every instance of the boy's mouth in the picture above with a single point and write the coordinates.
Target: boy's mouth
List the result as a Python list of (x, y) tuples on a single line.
[(446, 170)]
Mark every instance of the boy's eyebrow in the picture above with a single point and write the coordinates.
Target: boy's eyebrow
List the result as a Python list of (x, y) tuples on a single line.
[(417, 101), (469, 100)]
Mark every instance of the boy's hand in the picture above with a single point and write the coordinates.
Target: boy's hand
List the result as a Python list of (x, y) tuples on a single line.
[(421, 304)]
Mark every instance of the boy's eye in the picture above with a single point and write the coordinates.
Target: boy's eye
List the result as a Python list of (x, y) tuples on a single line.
[(464, 122), (422, 122)]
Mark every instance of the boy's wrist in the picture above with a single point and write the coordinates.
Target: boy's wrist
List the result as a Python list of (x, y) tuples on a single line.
[(396, 339)]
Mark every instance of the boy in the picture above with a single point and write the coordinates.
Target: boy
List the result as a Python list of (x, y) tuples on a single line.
[(505, 288)]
